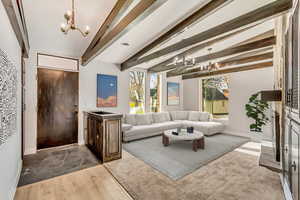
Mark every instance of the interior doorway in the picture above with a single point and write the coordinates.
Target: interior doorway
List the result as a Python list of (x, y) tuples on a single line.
[(57, 117)]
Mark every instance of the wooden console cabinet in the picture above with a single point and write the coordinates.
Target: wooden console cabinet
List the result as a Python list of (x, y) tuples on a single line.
[(103, 135)]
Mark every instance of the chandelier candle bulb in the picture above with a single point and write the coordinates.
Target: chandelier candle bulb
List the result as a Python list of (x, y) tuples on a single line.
[(87, 30), (63, 27), (70, 17)]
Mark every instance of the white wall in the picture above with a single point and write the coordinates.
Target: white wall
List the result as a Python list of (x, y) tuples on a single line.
[(241, 86), (10, 152), (88, 90), (192, 94), (30, 136), (87, 95), (164, 105)]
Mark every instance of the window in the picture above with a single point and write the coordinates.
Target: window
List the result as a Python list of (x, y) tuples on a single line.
[(155, 96), (137, 92), (215, 96)]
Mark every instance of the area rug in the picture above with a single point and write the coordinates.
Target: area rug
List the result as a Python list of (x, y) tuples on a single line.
[(234, 176), (178, 159), (55, 162)]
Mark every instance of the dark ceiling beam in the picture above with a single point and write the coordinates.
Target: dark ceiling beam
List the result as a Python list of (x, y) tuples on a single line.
[(264, 35), (251, 53), (198, 15), (164, 66), (227, 63), (15, 13), (254, 17), (143, 9), (231, 51), (116, 12), (258, 37), (229, 70)]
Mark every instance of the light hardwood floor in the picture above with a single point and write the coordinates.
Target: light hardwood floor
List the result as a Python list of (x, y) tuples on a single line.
[(90, 184)]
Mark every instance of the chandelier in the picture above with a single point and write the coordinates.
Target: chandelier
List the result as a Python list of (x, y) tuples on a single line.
[(70, 17), (191, 62)]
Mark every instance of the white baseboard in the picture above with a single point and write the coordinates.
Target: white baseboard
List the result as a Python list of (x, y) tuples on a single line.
[(30, 151), (13, 189)]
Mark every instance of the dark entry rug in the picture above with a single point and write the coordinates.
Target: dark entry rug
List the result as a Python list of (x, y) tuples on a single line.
[(55, 162)]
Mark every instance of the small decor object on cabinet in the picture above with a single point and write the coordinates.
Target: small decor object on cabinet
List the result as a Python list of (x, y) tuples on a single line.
[(256, 109), (8, 98), (190, 129), (107, 90), (173, 93)]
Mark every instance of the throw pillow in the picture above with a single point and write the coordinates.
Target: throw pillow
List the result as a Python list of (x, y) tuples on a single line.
[(181, 115), (167, 116), (161, 117), (143, 119), (130, 119), (204, 116), (194, 116), (173, 115)]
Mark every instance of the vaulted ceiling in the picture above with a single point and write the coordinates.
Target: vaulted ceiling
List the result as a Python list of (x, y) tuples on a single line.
[(44, 19)]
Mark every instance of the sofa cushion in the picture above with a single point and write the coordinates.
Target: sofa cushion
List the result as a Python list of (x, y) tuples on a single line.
[(146, 130), (179, 115), (194, 116), (169, 125), (126, 127), (207, 128), (204, 116), (130, 119), (143, 119), (143, 130), (161, 117)]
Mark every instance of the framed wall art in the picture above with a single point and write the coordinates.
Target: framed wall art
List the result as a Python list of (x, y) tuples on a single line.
[(173, 94), (107, 90)]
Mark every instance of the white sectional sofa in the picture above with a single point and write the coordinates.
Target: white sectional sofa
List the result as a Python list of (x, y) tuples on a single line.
[(138, 126)]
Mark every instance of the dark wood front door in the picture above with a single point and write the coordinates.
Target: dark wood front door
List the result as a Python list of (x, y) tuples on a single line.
[(57, 122)]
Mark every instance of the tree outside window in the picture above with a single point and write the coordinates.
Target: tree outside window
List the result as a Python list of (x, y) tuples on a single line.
[(215, 96), (137, 92), (155, 97)]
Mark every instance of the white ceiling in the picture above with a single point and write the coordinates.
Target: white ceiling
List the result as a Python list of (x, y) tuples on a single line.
[(232, 10), (45, 16), (150, 28)]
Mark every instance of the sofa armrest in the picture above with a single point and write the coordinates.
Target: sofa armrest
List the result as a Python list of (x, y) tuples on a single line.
[(126, 127)]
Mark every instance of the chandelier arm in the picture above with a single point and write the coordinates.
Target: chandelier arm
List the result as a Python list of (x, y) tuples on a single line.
[(82, 33), (67, 29)]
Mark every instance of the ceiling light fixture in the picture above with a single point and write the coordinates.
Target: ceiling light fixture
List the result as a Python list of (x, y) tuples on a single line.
[(70, 17), (188, 61)]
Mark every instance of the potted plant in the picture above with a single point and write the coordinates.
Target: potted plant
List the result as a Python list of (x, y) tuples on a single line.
[(255, 109)]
